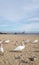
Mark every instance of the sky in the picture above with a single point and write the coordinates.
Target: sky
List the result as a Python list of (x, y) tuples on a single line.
[(19, 15)]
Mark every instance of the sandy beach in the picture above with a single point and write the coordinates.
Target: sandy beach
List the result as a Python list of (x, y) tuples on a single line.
[(31, 49)]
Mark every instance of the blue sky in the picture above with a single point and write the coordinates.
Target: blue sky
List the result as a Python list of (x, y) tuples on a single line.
[(19, 15)]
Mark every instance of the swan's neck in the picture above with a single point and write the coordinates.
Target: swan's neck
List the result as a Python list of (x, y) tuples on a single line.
[(23, 43)]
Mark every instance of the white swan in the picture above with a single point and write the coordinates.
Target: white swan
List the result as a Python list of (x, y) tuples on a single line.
[(20, 48), (1, 48), (35, 41), (6, 41), (27, 41)]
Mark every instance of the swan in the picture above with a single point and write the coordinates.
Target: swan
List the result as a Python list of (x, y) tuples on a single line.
[(35, 41), (7, 41), (1, 48), (20, 48), (27, 41)]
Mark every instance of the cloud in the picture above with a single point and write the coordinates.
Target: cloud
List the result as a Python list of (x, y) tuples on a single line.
[(16, 10), (33, 27), (19, 15), (34, 20)]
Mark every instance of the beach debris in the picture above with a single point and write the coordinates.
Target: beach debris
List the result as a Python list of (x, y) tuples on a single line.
[(21, 59), (18, 57), (32, 58)]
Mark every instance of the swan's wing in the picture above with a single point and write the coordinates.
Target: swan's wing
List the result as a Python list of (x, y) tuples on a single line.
[(35, 41), (19, 48)]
